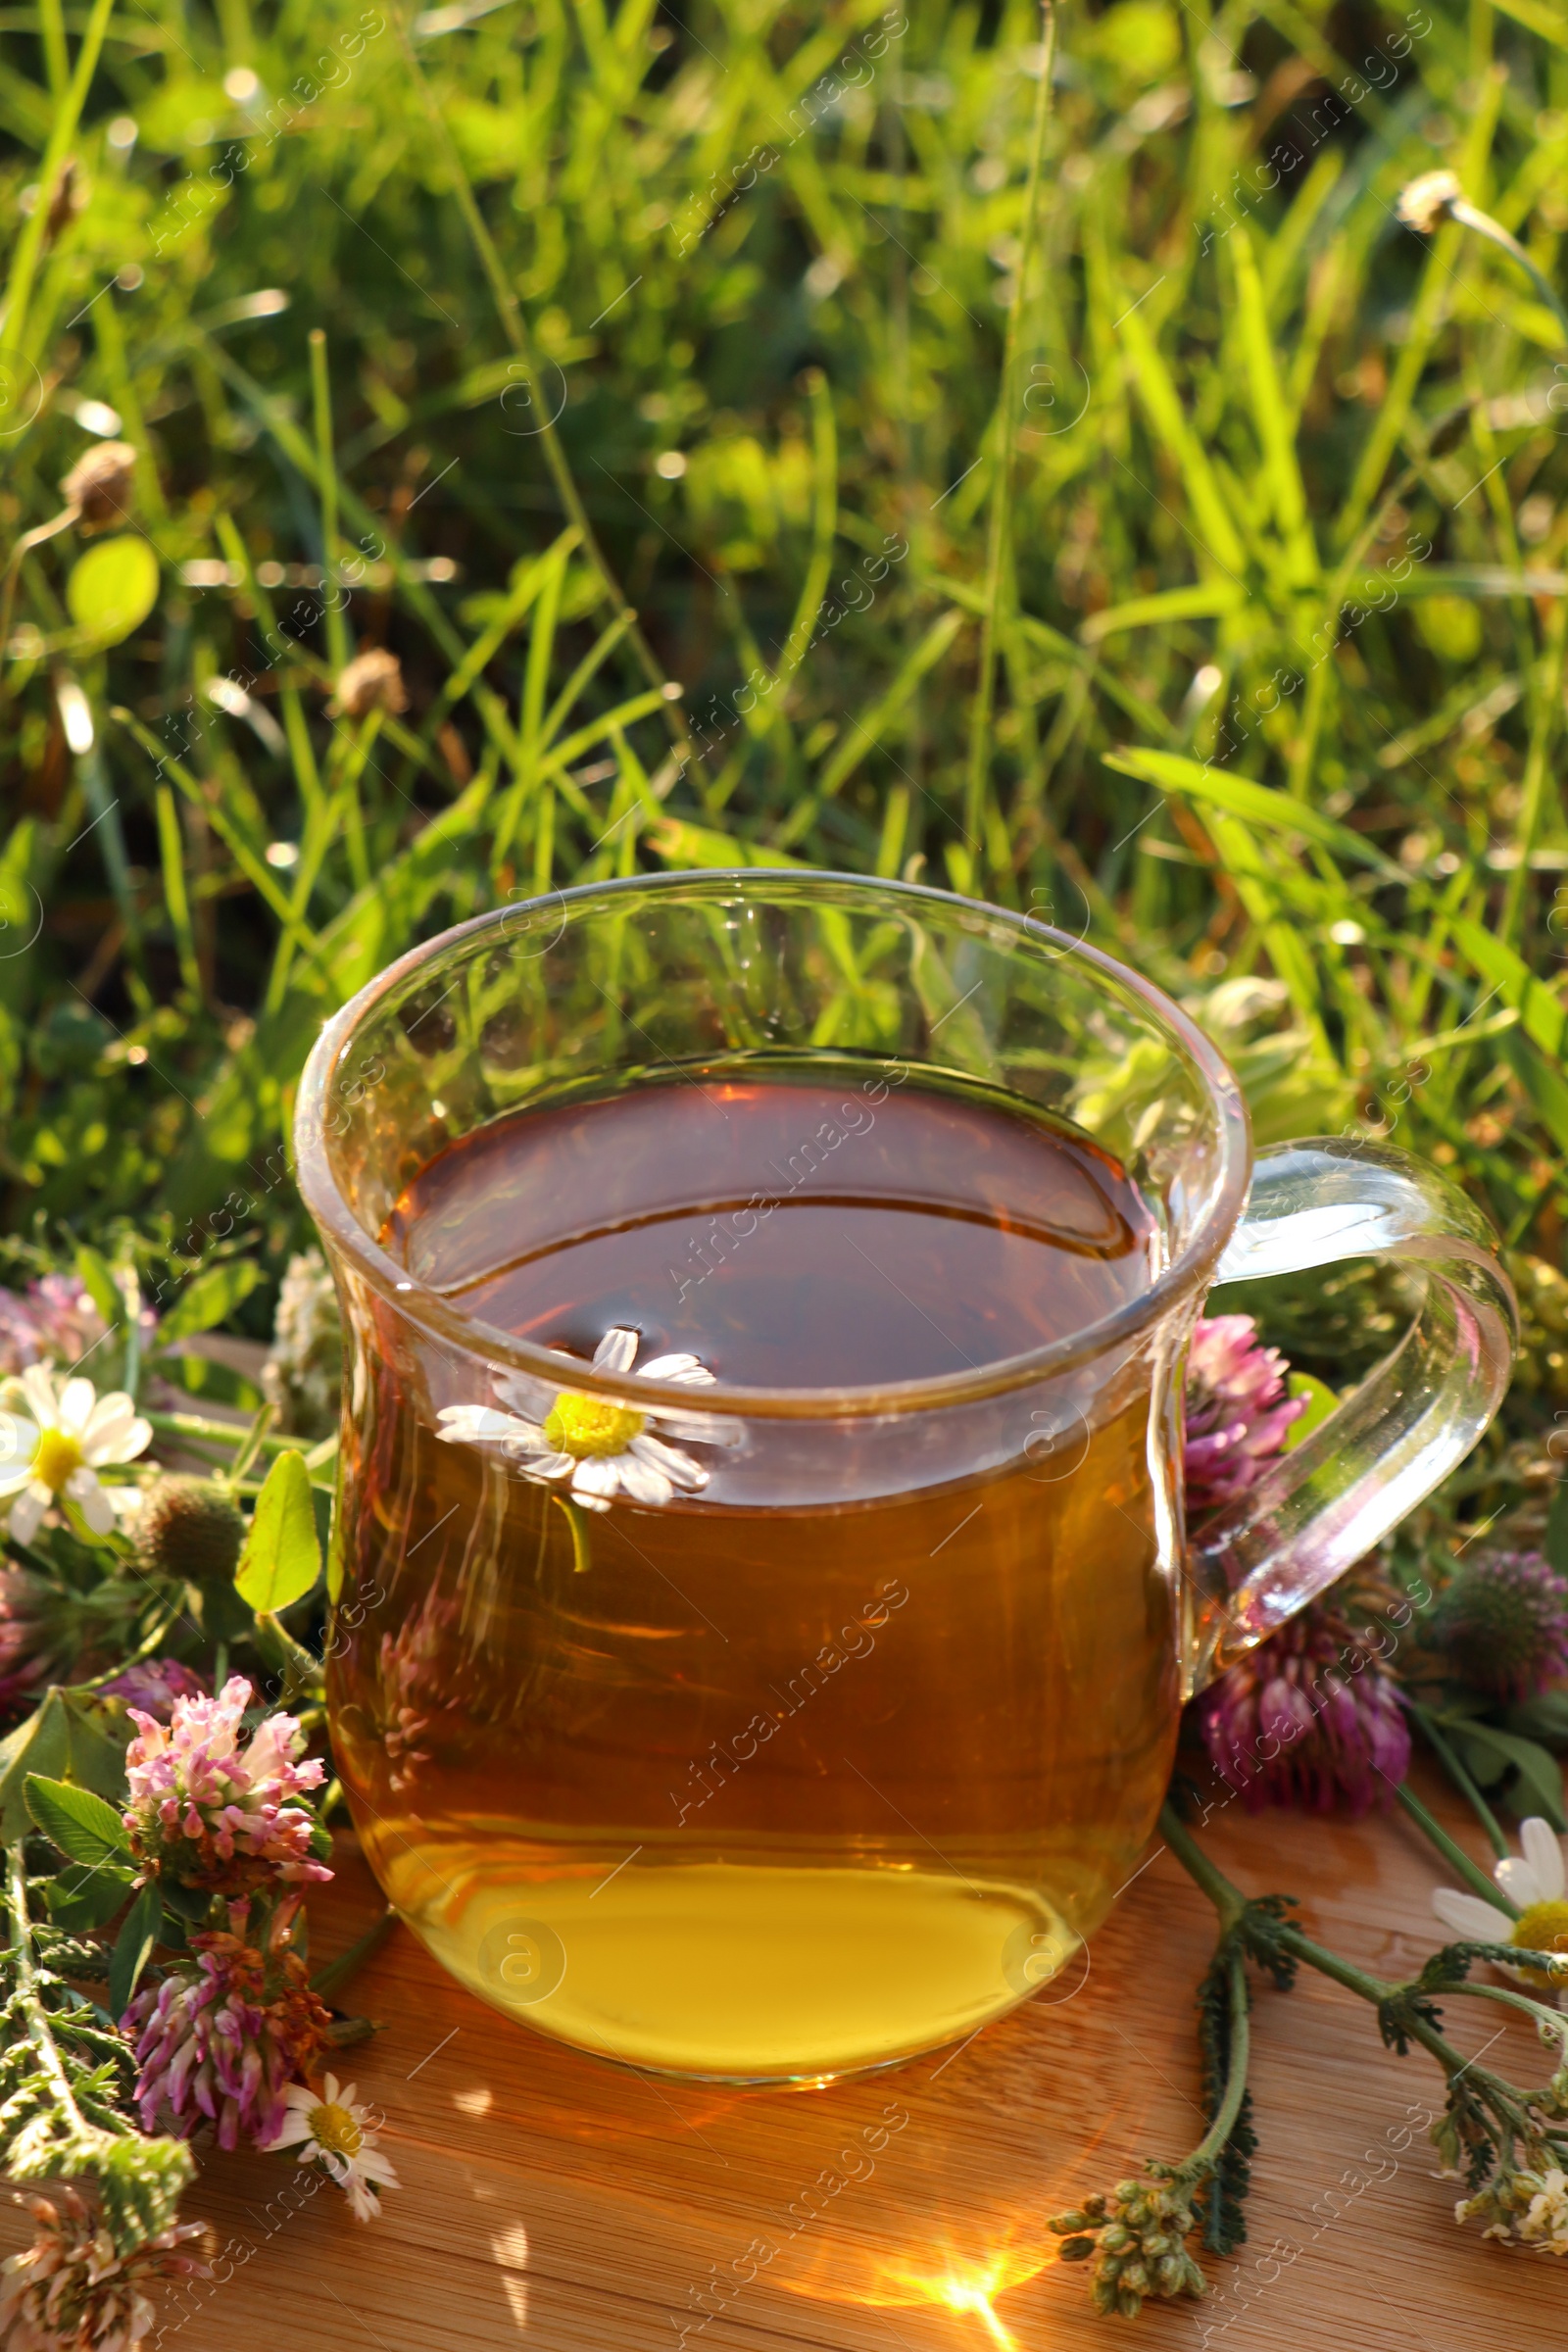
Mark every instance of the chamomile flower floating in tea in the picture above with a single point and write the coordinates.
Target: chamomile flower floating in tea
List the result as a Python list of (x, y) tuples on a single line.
[(332, 2129), (55, 1456), (1536, 1880), (599, 1448)]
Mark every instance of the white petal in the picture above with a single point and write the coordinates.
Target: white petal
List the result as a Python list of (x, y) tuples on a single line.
[(329, 2091), (668, 1459), (682, 1368), (27, 1511), (599, 1475), (110, 1425), (39, 1390), (617, 1351), (589, 1502), (125, 1501), (294, 2127), (531, 1396), (1543, 1853), (18, 1438), (75, 1406), (547, 1465), (376, 2167), (480, 1425), (91, 1502), (1518, 1881), (704, 1429), (641, 1482), (1468, 1916), (528, 1436)]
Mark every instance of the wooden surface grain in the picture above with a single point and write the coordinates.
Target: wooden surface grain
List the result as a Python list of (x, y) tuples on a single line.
[(548, 2200)]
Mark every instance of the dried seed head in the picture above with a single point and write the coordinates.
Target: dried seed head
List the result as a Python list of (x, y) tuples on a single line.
[(187, 1528), (1426, 201), (101, 486), (372, 681)]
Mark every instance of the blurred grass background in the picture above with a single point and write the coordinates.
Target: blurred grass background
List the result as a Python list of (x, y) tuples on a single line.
[(1073, 486)]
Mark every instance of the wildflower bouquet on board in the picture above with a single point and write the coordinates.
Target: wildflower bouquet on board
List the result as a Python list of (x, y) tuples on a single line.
[(167, 1789)]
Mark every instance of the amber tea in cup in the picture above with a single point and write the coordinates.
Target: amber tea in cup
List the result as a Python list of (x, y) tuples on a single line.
[(763, 1605)]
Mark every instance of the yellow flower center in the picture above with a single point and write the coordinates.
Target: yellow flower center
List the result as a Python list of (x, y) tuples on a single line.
[(57, 1458), (587, 1426), (333, 2126), (1542, 1927)]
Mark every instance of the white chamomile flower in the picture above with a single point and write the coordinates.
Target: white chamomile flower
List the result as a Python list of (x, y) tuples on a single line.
[(600, 1449), (331, 2128), (1536, 1880), (56, 1455)]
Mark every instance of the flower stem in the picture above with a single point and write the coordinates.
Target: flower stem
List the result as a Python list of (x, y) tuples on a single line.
[(335, 1975), (219, 1433), (1455, 1856), (582, 1559), (1461, 1780), (1228, 1900), (1209, 2147)]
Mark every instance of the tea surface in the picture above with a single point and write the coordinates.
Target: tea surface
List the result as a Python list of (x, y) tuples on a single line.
[(789, 1233), (758, 1793)]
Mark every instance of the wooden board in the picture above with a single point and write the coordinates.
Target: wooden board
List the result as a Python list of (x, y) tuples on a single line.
[(556, 2202)]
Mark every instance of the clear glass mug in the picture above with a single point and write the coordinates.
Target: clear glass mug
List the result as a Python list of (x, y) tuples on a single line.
[(835, 1759)]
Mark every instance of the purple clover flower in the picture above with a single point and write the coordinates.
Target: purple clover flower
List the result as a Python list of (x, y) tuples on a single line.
[(1237, 1410), (1310, 1717), (1502, 1624)]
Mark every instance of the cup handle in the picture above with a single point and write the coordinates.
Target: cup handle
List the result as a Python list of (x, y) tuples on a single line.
[(1320, 1507)]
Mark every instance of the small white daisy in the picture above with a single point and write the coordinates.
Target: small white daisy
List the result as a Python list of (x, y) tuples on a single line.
[(331, 2128), (1536, 1880), (601, 1449), (73, 1434)]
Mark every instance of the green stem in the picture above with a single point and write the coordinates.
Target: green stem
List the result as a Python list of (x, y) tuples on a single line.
[(335, 1975), (337, 638), (29, 245), (1461, 1780), (1474, 1877), (1469, 217), (582, 1558), (1228, 1900), (1005, 424), (302, 1668), (1209, 2147), (220, 1433)]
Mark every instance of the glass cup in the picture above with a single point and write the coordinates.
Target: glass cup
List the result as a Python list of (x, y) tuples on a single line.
[(833, 1759)]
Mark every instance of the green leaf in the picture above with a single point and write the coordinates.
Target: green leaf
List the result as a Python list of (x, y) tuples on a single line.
[(210, 1299), (101, 1287), (282, 1556), (80, 1824), (1321, 1400), (132, 1946), (1540, 1784), (192, 1903), (113, 588), (1253, 804), (80, 1901), (1544, 1718), (74, 1735)]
